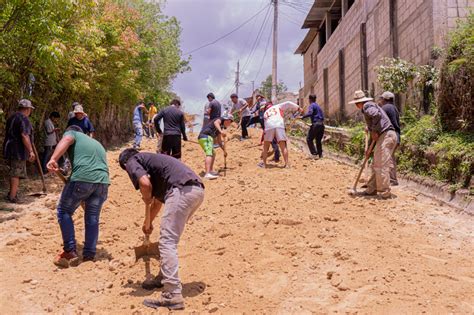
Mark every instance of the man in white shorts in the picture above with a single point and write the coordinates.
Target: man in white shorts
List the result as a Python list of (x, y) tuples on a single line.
[(275, 129)]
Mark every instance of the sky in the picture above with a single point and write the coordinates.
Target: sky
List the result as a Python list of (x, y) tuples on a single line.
[(214, 67)]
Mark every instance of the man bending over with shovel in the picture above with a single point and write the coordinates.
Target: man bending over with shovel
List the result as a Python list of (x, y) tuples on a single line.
[(89, 183), (164, 179)]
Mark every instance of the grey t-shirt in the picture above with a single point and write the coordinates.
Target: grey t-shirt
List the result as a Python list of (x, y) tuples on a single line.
[(376, 118), (51, 139), (241, 103)]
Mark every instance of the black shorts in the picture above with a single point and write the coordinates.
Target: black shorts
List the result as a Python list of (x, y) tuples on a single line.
[(171, 145)]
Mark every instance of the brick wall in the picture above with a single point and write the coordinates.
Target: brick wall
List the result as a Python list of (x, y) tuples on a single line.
[(421, 25)]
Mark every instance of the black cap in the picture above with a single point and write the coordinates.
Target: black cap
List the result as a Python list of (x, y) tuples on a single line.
[(233, 95), (125, 156)]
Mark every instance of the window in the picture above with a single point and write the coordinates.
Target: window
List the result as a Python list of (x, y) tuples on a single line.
[(322, 36), (349, 4)]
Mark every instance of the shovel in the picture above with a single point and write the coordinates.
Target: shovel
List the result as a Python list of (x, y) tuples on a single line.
[(146, 251), (353, 191), (40, 170)]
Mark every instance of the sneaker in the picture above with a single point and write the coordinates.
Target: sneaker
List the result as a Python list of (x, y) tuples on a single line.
[(154, 283), (313, 156), (216, 146), (214, 173), (261, 165), (210, 176), (168, 300), (12, 200), (393, 183), (88, 258), (66, 259)]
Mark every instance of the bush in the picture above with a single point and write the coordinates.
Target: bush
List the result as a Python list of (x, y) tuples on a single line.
[(456, 88)]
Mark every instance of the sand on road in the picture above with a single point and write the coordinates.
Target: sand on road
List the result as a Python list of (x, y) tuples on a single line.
[(264, 241)]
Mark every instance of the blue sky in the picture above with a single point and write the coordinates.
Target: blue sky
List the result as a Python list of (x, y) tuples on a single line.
[(213, 67)]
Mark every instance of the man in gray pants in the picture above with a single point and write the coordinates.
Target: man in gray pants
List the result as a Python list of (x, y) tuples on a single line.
[(164, 179)]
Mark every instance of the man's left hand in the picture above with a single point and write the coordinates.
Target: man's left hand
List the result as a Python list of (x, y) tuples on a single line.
[(374, 135), (149, 231)]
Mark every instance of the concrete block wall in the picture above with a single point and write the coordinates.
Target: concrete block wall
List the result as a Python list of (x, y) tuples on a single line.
[(421, 24)]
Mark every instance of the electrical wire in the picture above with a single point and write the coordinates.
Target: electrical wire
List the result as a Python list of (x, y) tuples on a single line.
[(229, 33), (265, 54)]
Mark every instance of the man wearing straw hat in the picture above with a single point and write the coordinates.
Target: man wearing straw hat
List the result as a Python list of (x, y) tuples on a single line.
[(383, 134)]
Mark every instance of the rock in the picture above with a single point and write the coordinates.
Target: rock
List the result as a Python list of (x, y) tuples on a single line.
[(34, 282), (213, 307), (36, 233), (288, 222), (13, 242), (129, 281), (314, 246), (109, 285), (49, 309), (27, 280), (338, 201), (225, 235)]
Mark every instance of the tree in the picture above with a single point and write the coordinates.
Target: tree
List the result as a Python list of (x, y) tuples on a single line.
[(266, 87), (106, 54)]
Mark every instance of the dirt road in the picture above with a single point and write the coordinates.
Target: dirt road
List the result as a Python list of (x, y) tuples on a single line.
[(264, 241)]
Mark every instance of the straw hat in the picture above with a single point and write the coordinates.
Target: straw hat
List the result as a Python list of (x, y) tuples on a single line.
[(359, 97)]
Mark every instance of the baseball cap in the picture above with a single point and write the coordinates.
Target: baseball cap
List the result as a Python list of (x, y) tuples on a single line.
[(24, 103), (233, 95), (227, 117), (388, 95)]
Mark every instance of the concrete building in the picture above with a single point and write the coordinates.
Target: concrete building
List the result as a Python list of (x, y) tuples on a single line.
[(347, 39)]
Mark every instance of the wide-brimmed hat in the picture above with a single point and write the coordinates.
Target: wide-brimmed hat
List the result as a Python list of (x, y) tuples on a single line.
[(359, 97), (78, 109), (24, 103)]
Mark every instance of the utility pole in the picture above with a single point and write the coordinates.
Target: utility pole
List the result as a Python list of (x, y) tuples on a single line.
[(275, 50), (253, 92), (237, 78)]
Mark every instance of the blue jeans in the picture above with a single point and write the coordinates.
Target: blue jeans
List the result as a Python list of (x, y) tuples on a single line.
[(94, 196), (138, 127)]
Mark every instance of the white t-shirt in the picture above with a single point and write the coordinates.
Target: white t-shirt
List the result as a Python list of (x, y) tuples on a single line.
[(274, 116), (50, 139)]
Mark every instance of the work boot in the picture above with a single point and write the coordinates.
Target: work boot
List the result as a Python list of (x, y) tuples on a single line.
[(154, 283), (167, 299), (386, 195), (66, 259)]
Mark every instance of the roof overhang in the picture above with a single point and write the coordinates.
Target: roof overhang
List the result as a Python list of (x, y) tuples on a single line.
[(308, 39), (317, 13)]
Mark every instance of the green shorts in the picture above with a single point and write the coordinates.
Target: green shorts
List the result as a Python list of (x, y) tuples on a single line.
[(207, 144), (17, 168)]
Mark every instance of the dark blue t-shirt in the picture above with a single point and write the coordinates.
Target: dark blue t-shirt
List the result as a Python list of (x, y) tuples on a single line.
[(13, 147), (85, 124)]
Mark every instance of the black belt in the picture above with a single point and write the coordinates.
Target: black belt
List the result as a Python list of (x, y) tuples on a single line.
[(194, 183)]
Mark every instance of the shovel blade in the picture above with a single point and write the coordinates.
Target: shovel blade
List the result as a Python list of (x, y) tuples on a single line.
[(151, 250)]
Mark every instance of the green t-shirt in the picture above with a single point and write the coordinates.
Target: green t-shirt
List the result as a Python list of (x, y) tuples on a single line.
[(88, 159)]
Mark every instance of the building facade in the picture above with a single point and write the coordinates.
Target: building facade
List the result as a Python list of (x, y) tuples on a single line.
[(347, 39)]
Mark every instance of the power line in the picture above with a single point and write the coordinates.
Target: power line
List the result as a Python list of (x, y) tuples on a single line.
[(227, 34), (265, 54)]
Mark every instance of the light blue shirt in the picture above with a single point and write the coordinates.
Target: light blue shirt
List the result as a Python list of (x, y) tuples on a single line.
[(137, 114)]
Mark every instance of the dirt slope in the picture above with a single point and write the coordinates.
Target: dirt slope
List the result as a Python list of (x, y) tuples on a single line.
[(264, 241)]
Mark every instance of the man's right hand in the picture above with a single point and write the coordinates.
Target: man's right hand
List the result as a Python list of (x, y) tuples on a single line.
[(149, 231), (52, 166), (32, 156)]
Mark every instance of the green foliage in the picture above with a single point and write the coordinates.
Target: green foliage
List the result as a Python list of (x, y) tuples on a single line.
[(395, 74), (456, 90), (106, 54), (357, 143), (266, 87)]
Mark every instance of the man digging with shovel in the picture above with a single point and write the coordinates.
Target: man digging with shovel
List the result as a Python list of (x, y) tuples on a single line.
[(164, 179), (383, 135)]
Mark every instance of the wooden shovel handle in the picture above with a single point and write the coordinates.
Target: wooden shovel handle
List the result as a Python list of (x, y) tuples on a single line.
[(363, 164)]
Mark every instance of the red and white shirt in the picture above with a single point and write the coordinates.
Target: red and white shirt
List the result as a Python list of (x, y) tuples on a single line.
[(274, 116)]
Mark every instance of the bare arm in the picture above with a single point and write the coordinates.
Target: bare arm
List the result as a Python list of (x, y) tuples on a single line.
[(27, 143), (61, 148), (146, 189)]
